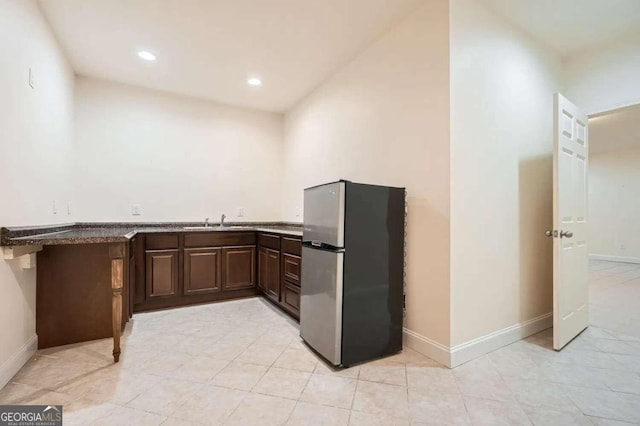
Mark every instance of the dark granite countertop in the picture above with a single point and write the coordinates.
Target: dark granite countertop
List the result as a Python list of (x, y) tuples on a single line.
[(88, 233)]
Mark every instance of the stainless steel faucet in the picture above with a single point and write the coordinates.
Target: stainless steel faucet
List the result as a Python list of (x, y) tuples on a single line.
[(206, 223), (222, 218)]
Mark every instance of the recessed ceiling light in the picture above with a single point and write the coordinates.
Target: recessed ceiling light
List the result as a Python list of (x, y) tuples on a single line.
[(254, 81), (146, 55)]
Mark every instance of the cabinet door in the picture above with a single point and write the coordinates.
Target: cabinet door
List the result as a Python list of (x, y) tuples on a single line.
[(291, 298), (273, 274), (202, 270), (239, 267), (162, 273), (262, 269)]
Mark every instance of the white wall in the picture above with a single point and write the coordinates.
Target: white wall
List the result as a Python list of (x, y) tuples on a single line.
[(181, 159), (502, 85), (605, 77), (384, 119), (614, 204), (36, 135)]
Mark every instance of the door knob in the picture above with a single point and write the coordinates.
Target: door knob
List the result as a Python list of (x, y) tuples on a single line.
[(548, 233), (566, 234)]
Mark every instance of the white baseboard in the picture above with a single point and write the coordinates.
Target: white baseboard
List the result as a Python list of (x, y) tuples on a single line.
[(479, 346), (621, 259), (10, 367), (465, 352), (434, 350)]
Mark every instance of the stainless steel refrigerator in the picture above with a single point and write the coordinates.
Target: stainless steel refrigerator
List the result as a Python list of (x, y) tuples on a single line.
[(352, 299)]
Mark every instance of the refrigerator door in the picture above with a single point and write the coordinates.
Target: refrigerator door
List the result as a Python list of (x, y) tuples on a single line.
[(321, 302), (324, 214)]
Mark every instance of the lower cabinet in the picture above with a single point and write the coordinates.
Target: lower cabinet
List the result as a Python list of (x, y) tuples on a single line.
[(162, 273), (272, 274), (186, 268), (208, 270), (279, 271), (239, 267), (202, 270), (291, 298), (262, 269), (269, 272)]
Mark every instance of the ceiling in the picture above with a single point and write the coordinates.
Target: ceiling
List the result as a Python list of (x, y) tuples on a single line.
[(209, 48), (571, 26), (615, 131)]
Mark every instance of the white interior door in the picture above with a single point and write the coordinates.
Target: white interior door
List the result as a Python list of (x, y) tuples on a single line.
[(570, 268)]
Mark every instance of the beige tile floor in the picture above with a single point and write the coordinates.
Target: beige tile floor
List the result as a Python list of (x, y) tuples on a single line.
[(242, 363)]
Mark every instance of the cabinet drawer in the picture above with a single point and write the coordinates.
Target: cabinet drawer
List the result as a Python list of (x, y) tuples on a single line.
[(291, 268), (291, 298), (292, 246), (217, 239), (161, 242), (268, 240)]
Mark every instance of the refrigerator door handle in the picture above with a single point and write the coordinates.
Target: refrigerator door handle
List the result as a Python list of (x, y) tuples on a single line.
[(316, 243)]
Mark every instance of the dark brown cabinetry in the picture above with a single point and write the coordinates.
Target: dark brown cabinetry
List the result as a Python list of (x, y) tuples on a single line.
[(187, 268), (279, 271), (262, 268), (162, 273), (74, 293), (291, 268), (175, 269), (291, 298), (239, 267), (271, 274), (202, 270), (158, 270)]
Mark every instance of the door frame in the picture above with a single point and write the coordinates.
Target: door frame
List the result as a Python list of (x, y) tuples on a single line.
[(597, 112)]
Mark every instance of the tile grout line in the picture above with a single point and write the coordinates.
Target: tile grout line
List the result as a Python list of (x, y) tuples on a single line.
[(622, 366), (406, 380)]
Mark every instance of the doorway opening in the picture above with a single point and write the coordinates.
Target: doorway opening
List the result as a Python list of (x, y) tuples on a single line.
[(613, 228)]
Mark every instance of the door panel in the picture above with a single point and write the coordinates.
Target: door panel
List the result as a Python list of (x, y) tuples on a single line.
[(162, 273), (570, 268), (262, 269), (291, 298), (239, 267), (202, 270), (324, 214), (321, 302), (272, 278)]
